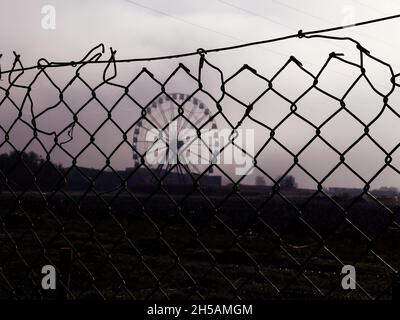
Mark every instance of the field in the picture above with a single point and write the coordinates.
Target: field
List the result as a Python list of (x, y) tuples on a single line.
[(130, 246)]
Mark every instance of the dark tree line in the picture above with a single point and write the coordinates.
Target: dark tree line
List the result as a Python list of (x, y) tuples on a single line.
[(288, 182), (27, 170)]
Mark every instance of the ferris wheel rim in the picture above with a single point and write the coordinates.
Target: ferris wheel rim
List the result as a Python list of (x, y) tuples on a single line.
[(198, 106)]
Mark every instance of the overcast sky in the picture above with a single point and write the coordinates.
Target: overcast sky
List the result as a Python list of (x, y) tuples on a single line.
[(141, 28), (158, 27)]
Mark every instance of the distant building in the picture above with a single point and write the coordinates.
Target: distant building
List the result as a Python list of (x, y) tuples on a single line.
[(345, 192), (80, 179), (143, 176), (385, 192), (251, 189)]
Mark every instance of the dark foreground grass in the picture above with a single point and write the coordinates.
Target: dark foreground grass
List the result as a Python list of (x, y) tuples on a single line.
[(126, 248)]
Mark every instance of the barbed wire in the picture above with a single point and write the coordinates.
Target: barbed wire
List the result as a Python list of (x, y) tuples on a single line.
[(300, 34)]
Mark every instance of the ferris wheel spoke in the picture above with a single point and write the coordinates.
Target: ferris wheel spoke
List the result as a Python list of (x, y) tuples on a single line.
[(199, 156), (199, 121), (156, 141), (192, 168), (149, 129), (184, 121), (171, 104), (197, 117), (145, 141), (185, 125), (158, 149), (145, 128), (159, 128), (191, 135), (155, 121), (200, 143), (164, 116), (193, 111)]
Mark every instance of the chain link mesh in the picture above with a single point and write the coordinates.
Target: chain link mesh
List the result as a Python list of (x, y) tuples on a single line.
[(129, 242)]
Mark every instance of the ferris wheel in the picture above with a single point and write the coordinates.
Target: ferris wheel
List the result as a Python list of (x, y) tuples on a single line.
[(168, 135)]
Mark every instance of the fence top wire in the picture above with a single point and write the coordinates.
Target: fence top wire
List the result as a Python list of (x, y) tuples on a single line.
[(300, 34)]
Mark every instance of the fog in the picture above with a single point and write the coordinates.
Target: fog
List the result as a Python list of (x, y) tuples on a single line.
[(175, 27)]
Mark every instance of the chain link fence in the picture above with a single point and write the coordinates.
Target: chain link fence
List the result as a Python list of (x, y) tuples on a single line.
[(187, 230)]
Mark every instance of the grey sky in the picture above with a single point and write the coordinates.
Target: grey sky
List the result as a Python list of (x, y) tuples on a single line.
[(141, 28), (138, 31)]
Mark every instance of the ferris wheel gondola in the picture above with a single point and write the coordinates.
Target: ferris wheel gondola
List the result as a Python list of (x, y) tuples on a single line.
[(169, 128)]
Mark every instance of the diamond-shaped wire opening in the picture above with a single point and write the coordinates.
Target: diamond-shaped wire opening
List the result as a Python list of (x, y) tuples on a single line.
[(135, 233)]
